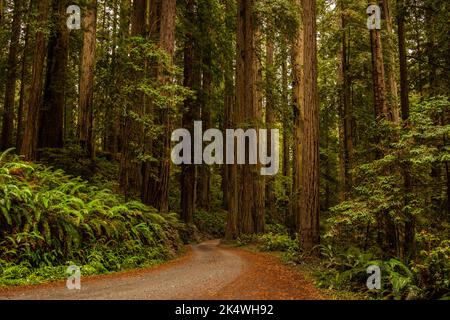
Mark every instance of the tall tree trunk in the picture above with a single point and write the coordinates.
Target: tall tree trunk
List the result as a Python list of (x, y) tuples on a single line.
[(409, 245), (248, 111), (123, 53), (257, 114), (345, 112), (231, 172), (206, 97), (379, 86), (113, 125), (270, 124), (159, 186), (29, 141), (394, 113), (11, 76), (404, 86), (150, 110), (286, 134), (389, 241), (230, 183), (25, 79), (2, 11), (245, 218), (131, 169), (227, 123), (86, 104), (191, 113), (309, 208), (205, 170), (298, 93), (285, 111), (24, 85), (51, 128)]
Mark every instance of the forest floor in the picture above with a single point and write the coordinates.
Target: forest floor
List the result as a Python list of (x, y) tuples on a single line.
[(208, 271)]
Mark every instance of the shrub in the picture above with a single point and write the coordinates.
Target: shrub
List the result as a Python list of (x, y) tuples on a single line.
[(211, 223), (276, 242), (433, 270)]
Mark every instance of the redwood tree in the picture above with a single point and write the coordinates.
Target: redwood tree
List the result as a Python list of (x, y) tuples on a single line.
[(30, 135), (298, 93), (248, 111), (51, 124), (191, 113), (158, 191), (11, 76), (309, 201), (86, 104), (379, 85)]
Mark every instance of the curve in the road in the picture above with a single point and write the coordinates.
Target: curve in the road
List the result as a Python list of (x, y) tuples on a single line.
[(208, 272)]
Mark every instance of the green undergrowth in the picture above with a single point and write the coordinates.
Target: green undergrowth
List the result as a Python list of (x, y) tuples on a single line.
[(276, 239), (103, 171), (426, 277), (212, 224), (50, 220), (342, 272)]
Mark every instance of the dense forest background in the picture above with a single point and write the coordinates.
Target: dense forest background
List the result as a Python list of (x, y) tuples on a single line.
[(363, 116)]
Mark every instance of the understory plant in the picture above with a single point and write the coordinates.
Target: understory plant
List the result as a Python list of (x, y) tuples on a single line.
[(49, 220)]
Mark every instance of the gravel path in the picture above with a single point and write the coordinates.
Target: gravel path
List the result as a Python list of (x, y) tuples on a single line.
[(207, 272)]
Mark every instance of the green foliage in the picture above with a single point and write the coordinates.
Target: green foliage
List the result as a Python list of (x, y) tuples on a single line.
[(347, 270), (433, 270), (73, 160), (422, 149), (275, 239), (380, 197), (49, 219), (276, 229), (280, 15), (277, 242), (211, 223)]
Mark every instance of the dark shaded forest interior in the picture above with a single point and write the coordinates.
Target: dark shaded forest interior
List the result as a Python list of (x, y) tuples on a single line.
[(91, 92)]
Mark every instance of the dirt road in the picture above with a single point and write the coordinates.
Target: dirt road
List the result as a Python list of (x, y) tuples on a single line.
[(208, 272)]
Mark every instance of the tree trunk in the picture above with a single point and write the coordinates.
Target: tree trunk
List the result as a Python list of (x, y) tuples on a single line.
[(309, 208), (159, 186), (270, 124), (123, 52), (2, 11), (112, 124), (191, 113), (345, 111), (404, 86), (394, 113), (205, 99), (131, 168), (86, 104), (409, 245), (248, 111), (379, 86), (11, 76), (25, 79), (286, 134), (227, 123), (231, 173), (29, 141), (51, 128), (205, 170), (285, 112), (388, 242)]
